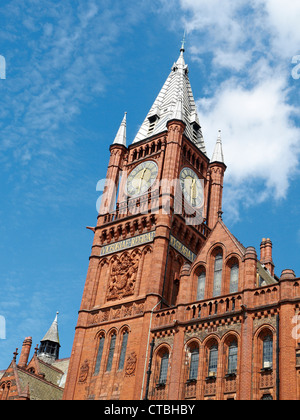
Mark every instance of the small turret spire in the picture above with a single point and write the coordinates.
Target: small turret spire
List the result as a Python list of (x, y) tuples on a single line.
[(121, 134), (49, 348), (218, 155)]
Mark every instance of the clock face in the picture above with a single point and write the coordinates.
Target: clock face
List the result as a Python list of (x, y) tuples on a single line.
[(141, 178), (192, 187)]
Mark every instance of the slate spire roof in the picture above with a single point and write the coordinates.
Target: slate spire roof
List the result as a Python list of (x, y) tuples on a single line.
[(176, 91), (52, 333)]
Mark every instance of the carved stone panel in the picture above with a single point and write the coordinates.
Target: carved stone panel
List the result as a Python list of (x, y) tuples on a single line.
[(131, 364), (123, 275), (84, 372)]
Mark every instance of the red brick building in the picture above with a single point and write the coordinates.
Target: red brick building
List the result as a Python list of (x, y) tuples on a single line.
[(41, 377), (174, 306)]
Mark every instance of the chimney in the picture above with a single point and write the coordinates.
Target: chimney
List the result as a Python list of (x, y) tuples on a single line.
[(27, 343), (266, 258)]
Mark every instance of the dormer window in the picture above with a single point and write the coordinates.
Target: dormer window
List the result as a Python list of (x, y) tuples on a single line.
[(152, 122)]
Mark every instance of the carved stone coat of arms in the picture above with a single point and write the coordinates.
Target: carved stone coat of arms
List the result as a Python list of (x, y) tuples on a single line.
[(123, 277)]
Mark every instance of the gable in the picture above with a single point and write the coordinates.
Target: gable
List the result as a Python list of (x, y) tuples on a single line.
[(221, 237)]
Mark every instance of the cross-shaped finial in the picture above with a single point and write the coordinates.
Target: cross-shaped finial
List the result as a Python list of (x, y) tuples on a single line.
[(15, 355)]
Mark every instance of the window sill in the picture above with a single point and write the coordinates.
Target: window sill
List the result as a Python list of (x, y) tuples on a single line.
[(210, 378), (230, 375), (269, 369), (160, 385), (190, 381)]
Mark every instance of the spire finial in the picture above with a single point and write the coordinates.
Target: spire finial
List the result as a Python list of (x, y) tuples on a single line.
[(15, 355), (182, 49), (121, 134)]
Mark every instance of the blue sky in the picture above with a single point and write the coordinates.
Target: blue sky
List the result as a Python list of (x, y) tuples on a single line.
[(73, 69)]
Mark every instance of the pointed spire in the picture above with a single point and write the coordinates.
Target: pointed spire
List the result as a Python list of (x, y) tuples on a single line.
[(52, 333), (121, 134), (218, 155), (49, 348), (167, 106)]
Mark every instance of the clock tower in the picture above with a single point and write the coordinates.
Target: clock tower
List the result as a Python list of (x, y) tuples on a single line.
[(162, 198)]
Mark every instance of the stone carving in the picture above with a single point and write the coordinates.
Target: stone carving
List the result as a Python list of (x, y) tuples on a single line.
[(131, 364), (84, 372), (123, 276)]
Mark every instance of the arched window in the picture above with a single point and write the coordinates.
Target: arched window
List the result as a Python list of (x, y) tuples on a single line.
[(268, 352), (232, 358), (99, 355), (111, 352), (4, 391), (201, 286), (163, 373), (123, 350), (213, 361), (218, 274), (267, 397), (193, 374), (234, 278)]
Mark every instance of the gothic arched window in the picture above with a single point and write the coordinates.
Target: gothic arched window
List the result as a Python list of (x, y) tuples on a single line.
[(218, 269), (234, 278), (267, 397), (111, 352), (201, 286), (194, 363), (213, 360), (232, 358), (163, 373), (268, 352), (99, 355), (123, 350)]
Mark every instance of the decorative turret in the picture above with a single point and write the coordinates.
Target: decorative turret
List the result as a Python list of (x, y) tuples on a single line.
[(218, 155), (49, 348), (117, 152), (121, 134), (217, 170), (266, 255)]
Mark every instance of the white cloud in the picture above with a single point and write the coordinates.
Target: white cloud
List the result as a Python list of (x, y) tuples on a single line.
[(260, 141), (248, 92), (282, 20)]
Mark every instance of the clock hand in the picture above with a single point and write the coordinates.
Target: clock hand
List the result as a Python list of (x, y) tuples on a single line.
[(141, 179), (193, 189)]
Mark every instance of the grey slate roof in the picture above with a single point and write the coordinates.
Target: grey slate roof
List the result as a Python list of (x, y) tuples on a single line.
[(52, 333), (175, 101)]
